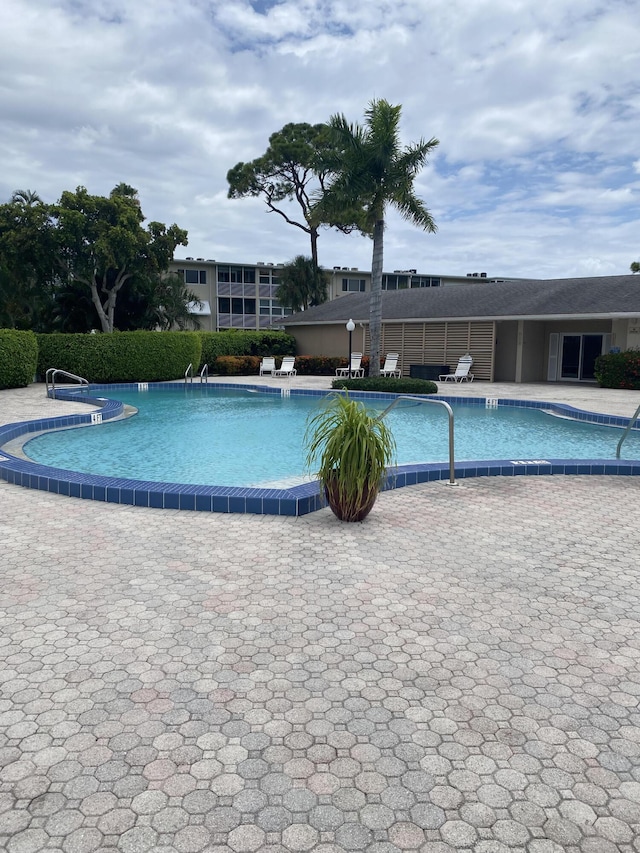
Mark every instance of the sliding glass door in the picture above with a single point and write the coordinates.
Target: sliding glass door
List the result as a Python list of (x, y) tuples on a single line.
[(578, 356)]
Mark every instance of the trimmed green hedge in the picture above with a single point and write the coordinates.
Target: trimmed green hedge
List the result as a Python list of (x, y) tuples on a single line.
[(18, 358), (388, 384), (619, 370), (121, 356), (238, 342)]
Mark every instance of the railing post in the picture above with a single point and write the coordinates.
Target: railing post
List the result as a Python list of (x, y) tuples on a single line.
[(418, 400)]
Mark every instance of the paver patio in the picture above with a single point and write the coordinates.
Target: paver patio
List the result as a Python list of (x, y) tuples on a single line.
[(458, 673)]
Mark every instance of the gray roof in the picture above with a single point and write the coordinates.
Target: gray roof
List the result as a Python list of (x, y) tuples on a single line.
[(606, 296)]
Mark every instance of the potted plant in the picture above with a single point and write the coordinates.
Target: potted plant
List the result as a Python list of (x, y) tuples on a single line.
[(353, 448)]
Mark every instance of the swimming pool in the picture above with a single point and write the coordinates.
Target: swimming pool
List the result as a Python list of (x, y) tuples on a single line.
[(290, 496), (204, 435)]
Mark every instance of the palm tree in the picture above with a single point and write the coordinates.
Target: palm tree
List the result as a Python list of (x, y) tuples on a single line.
[(373, 172), (302, 284), (25, 198)]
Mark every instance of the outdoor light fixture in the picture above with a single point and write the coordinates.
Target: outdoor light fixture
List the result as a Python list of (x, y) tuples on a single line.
[(350, 327)]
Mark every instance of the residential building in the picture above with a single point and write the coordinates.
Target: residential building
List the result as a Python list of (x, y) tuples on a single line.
[(518, 331), (232, 295), (243, 296)]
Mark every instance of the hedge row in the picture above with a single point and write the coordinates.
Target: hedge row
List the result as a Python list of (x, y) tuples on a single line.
[(388, 384), (18, 358), (133, 356), (121, 356), (236, 342), (619, 370), (306, 365)]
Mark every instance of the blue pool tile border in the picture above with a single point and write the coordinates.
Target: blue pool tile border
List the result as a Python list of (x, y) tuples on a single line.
[(292, 501)]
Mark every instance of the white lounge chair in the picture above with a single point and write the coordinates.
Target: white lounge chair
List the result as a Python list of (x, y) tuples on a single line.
[(390, 367), (267, 365), (461, 373), (357, 371), (287, 368)]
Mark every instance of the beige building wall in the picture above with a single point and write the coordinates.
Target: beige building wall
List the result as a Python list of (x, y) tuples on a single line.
[(330, 340), (416, 343), (506, 349), (631, 335), (531, 362)]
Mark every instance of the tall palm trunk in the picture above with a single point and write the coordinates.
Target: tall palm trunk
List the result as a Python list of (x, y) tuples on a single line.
[(375, 304)]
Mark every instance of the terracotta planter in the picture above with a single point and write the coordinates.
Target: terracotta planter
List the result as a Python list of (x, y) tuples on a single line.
[(350, 512)]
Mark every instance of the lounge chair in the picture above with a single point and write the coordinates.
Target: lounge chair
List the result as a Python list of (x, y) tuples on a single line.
[(461, 373), (357, 371), (287, 368), (267, 365), (390, 367)]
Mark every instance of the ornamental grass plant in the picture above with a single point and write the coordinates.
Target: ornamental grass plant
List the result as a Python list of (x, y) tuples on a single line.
[(352, 448)]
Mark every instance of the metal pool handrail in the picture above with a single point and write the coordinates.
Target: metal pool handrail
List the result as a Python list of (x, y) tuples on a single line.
[(50, 379), (204, 374), (416, 401), (188, 373), (627, 431)]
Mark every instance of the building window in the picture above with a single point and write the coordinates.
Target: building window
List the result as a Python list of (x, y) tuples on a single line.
[(272, 308), (237, 306), (353, 285), (424, 281), (249, 306), (268, 276), (224, 305), (223, 274), (395, 282), (194, 276)]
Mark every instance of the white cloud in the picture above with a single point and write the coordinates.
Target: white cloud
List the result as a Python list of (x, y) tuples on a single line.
[(535, 104)]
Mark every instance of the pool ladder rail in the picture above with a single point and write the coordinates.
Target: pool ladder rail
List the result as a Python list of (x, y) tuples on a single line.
[(204, 374), (628, 429), (50, 380)]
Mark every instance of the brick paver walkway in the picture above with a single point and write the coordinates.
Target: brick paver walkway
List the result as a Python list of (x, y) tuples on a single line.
[(458, 673)]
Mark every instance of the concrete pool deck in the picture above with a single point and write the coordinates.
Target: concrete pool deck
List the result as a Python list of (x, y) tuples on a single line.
[(458, 673)]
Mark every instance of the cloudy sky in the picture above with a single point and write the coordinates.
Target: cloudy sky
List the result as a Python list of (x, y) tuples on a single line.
[(536, 104)]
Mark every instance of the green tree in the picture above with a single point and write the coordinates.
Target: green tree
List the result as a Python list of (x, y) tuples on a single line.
[(292, 169), (102, 244), (635, 266), (302, 284), (25, 198), (371, 173), (166, 301), (26, 261)]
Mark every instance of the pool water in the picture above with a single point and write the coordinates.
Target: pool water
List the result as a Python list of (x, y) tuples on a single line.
[(243, 438)]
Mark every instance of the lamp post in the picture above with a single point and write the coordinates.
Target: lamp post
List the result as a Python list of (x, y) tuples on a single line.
[(350, 327)]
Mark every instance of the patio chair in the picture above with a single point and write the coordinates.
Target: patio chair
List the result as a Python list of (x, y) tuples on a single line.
[(287, 368), (267, 365), (357, 371), (390, 367), (461, 373)]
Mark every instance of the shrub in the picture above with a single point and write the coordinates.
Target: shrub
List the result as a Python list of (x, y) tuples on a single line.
[(318, 365), (237, 365), (619, 370), (238, 342), (18, 358), (121, 356), (388, 384)]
